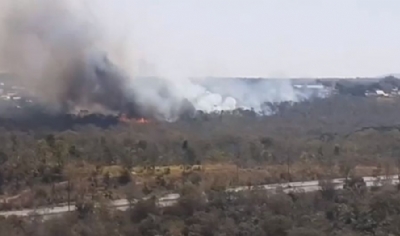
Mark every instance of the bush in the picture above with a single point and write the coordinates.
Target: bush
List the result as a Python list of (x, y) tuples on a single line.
[(328, 191), (84, 208), (125, 177)]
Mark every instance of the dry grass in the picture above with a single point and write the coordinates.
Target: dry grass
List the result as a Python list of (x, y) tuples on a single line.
[(227, 174), (219, 175)]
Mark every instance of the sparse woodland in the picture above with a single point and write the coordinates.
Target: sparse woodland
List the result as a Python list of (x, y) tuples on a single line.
[(354, 211), (345, 136)]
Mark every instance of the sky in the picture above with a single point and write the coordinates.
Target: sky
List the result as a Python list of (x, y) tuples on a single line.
[(254, 38), (267, 38)]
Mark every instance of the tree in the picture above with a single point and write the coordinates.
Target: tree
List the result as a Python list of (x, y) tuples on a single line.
[(276, 225), (328, 190), (346, 166), (3, 158), (51, 140), (1, 181), (84, 208), (143, 209), (189, 154), (336, 150), (125, 177)]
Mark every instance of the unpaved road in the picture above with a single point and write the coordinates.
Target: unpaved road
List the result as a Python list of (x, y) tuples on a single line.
[(170, 199)]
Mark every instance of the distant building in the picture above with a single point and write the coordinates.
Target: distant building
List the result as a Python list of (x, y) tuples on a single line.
[(376, 93), (309, 86), (317, 90), (381, 93)]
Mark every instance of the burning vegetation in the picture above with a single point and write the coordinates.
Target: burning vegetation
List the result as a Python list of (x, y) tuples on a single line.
[(72, 63), (126, 120)]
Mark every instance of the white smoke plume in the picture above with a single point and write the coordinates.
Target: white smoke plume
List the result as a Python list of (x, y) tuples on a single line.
[(72, 58)]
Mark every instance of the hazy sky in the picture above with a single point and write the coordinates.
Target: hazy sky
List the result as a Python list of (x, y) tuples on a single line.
[(257, 38), (286, 38)]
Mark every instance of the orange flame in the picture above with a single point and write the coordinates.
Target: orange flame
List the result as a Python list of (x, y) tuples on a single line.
[(124, 119), (142, 121)]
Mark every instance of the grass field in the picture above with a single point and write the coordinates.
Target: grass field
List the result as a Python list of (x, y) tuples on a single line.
[(228, 174)]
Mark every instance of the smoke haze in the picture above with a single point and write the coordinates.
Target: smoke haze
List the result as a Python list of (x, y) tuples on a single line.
[(73, 59)]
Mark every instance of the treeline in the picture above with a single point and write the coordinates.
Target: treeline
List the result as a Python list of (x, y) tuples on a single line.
[(360, 88)]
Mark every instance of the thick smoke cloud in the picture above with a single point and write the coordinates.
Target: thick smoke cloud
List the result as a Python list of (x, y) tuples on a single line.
[(72, 60), (53, 50)]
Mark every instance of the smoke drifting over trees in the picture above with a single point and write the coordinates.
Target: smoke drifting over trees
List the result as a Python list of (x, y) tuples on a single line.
[(63, 53)]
